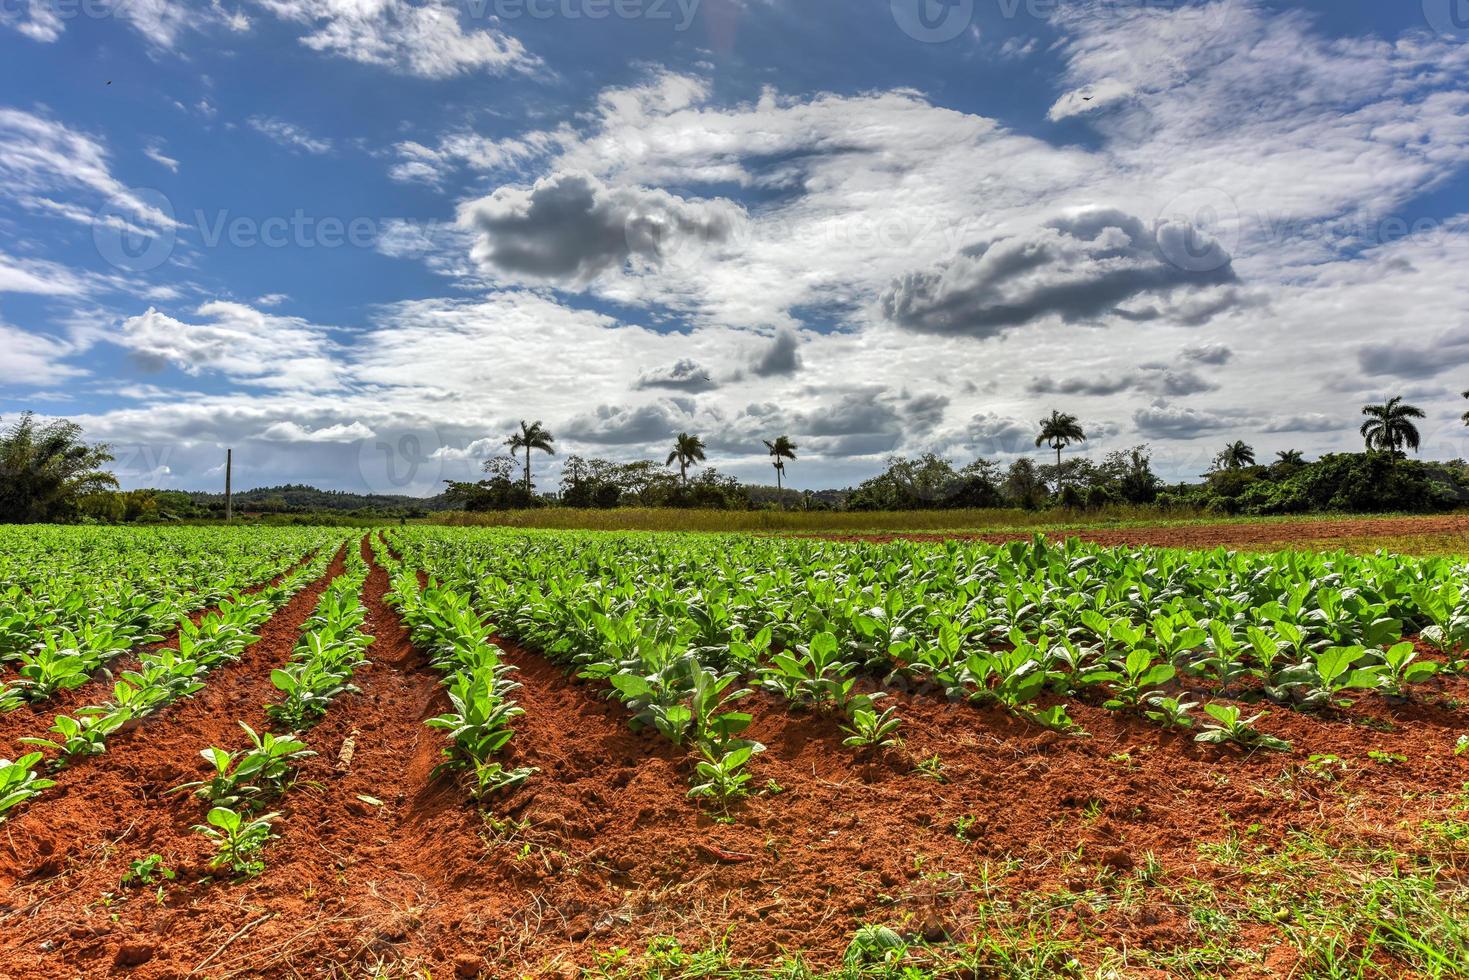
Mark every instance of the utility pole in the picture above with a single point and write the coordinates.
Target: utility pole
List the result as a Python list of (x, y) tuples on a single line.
[(229, 461)]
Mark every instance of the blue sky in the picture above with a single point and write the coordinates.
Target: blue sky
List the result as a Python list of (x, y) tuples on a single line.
[(358, 240)]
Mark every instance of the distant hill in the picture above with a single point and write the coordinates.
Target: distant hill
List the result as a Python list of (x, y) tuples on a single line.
[(295, 498)]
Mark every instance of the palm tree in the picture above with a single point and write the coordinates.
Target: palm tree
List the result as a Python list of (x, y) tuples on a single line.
[(1388, 427), (533, 436), (1290, 457), (780, 450), (1235, 456), (689, 451), (1058, 432), (45, 469)]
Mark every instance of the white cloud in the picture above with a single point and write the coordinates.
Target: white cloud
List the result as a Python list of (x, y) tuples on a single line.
[(423, 38), (289, 134), (41, 156), (19, 275), (251, 347), (38, 20), (34, 359), (1093, 98), (160, 22), (288, 431), (154, 151), (1271, 137), (425, 164)]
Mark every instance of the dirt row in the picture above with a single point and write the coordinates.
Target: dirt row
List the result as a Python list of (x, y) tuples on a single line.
[(1244, 534), (379, 863)]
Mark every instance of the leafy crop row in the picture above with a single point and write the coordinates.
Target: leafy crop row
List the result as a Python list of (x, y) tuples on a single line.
[(1027, 626), (71, 599), (240, 784), (478, 679), (166, 675)]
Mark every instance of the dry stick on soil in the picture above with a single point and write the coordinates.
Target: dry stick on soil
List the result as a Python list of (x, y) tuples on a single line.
[(214, 955)]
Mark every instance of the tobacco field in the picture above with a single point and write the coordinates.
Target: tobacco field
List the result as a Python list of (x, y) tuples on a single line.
[(446, 751)]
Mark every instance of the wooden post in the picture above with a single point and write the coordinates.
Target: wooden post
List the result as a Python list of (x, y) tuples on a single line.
[(229, 460)]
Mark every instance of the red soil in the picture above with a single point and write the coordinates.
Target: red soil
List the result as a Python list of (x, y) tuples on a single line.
[(1319, 532), (74, 842), (382, 863)]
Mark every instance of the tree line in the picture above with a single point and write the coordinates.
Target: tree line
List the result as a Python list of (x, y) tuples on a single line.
[(49, 473)]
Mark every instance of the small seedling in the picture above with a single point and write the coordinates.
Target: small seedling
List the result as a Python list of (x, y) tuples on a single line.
[(146, 872), (931, 768), (238, 840), (963, 825)]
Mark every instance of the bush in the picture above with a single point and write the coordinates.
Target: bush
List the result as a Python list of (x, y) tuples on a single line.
[(1361, 483)]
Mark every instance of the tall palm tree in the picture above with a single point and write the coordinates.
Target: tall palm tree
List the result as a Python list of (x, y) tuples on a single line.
[(533, 436), (1235, 456), (45, 468), (1388, 427), (689, 451), (780, 450), (1058, 432), (1290, 457)]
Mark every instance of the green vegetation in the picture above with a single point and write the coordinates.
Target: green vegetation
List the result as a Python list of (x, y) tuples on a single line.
[(672, 625), (45, 470)]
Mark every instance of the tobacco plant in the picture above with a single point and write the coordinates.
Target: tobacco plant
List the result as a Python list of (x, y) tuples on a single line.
[(84, 735), (721, 775), (19, 782), (1170, 713), (870, 728), (242, 779), (238, 838), (1228, 727)]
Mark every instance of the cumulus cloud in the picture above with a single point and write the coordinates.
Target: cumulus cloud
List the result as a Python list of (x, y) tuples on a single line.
[(572, 228), (625, 425), (1415, 360), (684, 375), (1075, 269), (289, 431), (782, 357), (1181, 422), (992, 434), (1207, 354), (1154, 379), (238, 341)]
